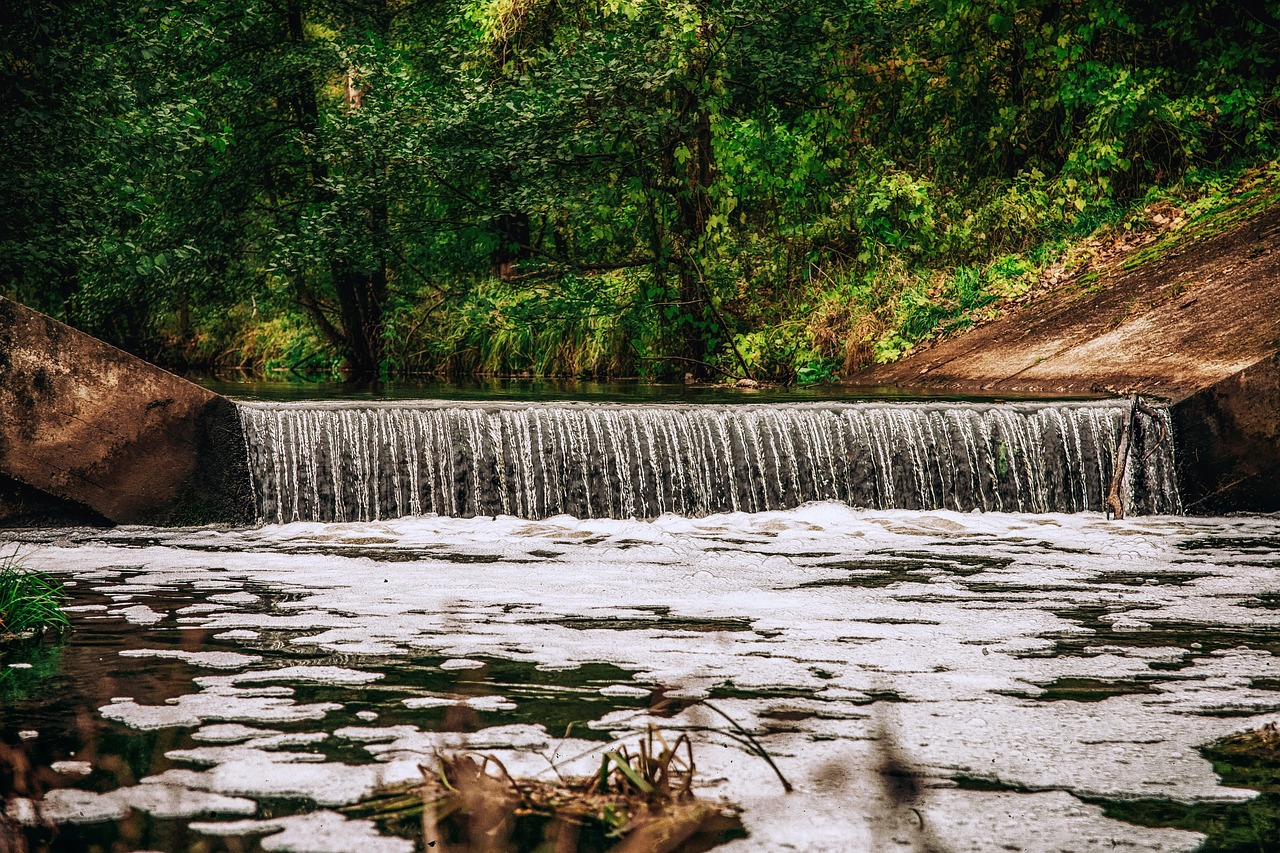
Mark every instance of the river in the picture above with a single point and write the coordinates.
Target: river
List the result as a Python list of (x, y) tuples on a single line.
[(1023, 672)]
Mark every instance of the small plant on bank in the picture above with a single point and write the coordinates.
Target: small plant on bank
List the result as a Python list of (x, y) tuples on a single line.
[(30, 600)]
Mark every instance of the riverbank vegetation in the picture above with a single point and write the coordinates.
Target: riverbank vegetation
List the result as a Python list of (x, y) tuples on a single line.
[(625, 187), (30, 600)]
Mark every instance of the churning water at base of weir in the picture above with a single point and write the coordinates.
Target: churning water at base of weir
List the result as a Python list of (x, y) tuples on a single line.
[(366, 461)]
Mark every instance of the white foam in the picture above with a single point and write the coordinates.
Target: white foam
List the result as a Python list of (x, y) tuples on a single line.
[(624, 690), (478, 703), (211, 660), (71, 805), (238, 634), (235, 598), (461, 663), (139, 614), (824, 619), (231, 733), (218, 705), (318, 832), (72, 768), (67, 805), (202, 607), (312, 674)]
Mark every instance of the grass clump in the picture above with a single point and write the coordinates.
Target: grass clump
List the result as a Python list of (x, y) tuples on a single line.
[(640, 801), (30, 600)]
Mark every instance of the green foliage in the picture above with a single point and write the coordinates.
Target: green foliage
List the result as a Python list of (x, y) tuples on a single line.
[(634, 186), (30, 600)]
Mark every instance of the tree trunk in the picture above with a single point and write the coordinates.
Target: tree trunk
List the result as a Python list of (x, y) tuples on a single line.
[(694, 211), (360, 293), (513, 243)]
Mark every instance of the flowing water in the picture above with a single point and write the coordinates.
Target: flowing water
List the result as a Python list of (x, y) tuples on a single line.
[(927, 677), (344, 462)]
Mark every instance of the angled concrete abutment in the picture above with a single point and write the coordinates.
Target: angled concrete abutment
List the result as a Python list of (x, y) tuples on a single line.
[(89, 432), (1228, 438)]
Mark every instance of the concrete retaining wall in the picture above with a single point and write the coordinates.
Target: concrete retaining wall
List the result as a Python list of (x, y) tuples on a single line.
[(1228, 443), (107, 434)]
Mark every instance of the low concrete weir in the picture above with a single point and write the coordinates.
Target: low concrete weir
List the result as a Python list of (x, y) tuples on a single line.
[(89, 432), (367, 461), (1197, 328)]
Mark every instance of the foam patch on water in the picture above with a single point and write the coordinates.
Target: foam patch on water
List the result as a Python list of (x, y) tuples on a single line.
[(624, 690), (799, 625), (261, 774), (211, 660), (72, 768), (203, 607), (139, 614), (235, 598), (319, 832), (298, 674), (231, 733), (218, 704), (239, 634), (461, 663), (478, 703), (70, 805)]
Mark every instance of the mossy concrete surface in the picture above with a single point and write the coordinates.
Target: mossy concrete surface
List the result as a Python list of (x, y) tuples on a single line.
[(1196, 324), (89, 432), (1192, 314)]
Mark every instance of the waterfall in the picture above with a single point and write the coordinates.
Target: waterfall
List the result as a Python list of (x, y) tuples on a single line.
[(365, 461)]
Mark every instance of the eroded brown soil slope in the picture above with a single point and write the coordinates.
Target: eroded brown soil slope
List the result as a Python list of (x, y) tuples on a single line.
[(1204, 310)]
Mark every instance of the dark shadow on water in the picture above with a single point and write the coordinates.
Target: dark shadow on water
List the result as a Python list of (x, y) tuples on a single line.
[(1068, 689)]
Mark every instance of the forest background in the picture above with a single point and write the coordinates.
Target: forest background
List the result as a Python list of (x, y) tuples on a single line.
[(778, 190)]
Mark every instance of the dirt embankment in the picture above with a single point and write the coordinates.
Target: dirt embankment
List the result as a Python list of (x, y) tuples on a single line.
[(1172, 319)]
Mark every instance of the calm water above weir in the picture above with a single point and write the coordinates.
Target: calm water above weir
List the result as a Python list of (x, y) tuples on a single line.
[(300, 388), (927, 677)]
